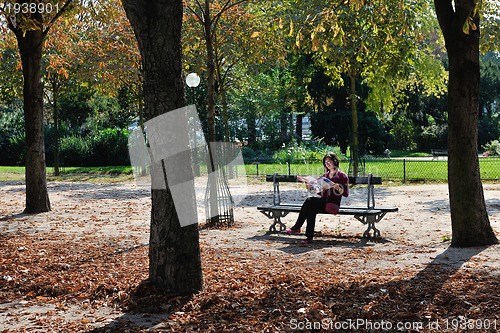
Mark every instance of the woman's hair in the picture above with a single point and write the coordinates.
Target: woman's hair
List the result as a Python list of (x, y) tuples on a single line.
[(333, 157)]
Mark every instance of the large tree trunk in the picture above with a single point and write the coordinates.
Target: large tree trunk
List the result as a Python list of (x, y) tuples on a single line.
[(174, 252), (469, 218), (30, 46)]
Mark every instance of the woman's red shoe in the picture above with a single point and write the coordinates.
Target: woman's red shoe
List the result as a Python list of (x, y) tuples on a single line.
[(292, 231)]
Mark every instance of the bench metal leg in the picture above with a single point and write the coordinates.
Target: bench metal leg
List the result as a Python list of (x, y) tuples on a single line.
[(370, 221), (276, 216), (371, 226)]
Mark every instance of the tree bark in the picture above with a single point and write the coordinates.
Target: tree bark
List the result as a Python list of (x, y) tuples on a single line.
[(174, 251), (55, 108), (354, 114), (30, 45), (469, 218), (210, 71)]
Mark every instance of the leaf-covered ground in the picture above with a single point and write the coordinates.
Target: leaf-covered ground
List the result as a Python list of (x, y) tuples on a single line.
[(52, 280), (243, 292)]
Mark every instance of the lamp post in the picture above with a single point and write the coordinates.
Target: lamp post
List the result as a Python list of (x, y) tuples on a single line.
[(192, 81)]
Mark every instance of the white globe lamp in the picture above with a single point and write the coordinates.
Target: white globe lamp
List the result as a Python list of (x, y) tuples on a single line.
[(192, 80)]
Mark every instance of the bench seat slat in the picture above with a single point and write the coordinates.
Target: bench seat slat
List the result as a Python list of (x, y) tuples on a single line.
[(296, 207), (342, 211), (384, 209)]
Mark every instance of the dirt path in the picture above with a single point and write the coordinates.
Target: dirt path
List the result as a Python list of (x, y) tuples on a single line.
[(117, 216)]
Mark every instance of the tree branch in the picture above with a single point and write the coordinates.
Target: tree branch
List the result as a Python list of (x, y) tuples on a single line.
[(10, 25), (59, 13), (228, 5), (201, 18)]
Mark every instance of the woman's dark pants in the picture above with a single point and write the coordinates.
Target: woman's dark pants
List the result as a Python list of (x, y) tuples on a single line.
[(308, 211)]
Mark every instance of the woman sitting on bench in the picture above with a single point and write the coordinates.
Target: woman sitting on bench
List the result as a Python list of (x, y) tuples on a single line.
[(329, 202)]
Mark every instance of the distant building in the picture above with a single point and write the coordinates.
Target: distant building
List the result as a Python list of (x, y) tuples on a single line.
[(306, 128)]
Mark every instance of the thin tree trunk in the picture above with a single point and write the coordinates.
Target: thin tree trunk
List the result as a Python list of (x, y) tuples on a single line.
[(55, 107), (211, 73), (209, 40), (225, 112), (469, 218), (174, 251), (355, 134)]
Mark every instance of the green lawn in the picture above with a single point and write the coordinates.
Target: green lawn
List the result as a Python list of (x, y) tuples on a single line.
[(388, 169), (101, 174)]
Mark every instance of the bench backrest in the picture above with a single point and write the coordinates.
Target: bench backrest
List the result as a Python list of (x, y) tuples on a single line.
[(352, 180), (281, 178), (369, 180), (365, 180)]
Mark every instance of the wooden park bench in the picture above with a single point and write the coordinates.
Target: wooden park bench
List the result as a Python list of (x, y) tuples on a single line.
[(368, 215), (438, 152)]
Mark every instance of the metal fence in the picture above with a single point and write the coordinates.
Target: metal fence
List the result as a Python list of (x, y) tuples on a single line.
[(395, 169)]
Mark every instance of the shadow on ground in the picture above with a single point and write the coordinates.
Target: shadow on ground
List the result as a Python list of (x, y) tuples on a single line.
[(440, 291), (294, 245)]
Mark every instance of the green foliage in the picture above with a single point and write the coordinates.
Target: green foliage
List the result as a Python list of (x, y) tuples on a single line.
[(12, 137), (404, 153), (493, 148), (11, 80), (433, 136), (490, 25), (489, 120), (109, 147), (74, 107), (251, 155), (403, 133), (106, 113), (305, 152), (488, 129), (263, 102), (75, 151), (101, 148)]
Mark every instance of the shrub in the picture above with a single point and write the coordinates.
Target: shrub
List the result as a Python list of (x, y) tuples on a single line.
[(310, 152), (75, 151), (12, 136), (492, 148), (251, 155), (109, 147), (433, 136)]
